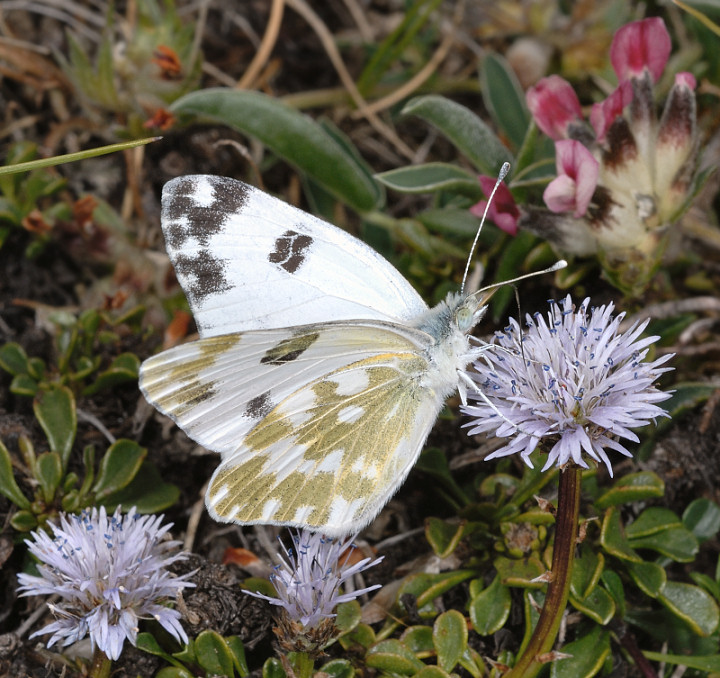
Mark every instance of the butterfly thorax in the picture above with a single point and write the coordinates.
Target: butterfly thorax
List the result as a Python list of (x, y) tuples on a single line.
[(449, 324)]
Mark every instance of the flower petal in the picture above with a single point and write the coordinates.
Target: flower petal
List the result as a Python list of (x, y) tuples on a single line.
[(640, 45)]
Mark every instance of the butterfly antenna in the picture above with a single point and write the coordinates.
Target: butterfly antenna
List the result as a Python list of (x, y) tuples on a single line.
[(503, 173)]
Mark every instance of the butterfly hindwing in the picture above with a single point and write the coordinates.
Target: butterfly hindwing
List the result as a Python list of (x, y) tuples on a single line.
[(249, 261)]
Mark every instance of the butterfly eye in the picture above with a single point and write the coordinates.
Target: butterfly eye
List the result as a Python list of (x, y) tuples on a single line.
[(464, 318)]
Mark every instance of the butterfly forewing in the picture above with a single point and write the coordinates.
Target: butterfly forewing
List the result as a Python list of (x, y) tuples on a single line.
[(249, 261)]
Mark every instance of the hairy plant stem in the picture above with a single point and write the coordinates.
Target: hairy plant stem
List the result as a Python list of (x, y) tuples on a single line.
[(566, 531)]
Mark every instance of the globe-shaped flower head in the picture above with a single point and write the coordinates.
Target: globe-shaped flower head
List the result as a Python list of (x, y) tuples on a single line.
[(572, 381)]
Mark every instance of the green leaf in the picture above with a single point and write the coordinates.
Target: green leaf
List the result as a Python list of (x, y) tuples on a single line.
[(24, 385), (174, 672), (588, 656), (679, 544), (349, 615), (612, 537), (490, 609), (291, 135), (118, 467), (451, 220), (450, 637), (612, 582), (444, 536), (213, 653), (467, 131), (632, 487), (272, 668), (238, 652), (23, 521), (147, 492), (362, 635), (709, 663), (693, 605), (8, 487), (54, 408), (13, 358), (432, 672), (427, 587), (702, 518), (122, 370), (337, 668), (598, 605), (586, 571), (391, 656), (49, 473), (432, 177), (520, 571), (504, 98), (649, 577), (74, 157), (651, 521), (419, 639)]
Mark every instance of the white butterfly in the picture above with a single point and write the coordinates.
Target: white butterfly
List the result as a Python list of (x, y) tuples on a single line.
[(319, 372)]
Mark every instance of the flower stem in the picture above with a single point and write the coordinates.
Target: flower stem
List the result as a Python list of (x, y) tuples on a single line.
[(101, 665), (566, 531)]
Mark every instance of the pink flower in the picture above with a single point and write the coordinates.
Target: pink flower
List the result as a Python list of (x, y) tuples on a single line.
[(640, 45), (577, 178), (603, 114), (503, 212), (554, 105)]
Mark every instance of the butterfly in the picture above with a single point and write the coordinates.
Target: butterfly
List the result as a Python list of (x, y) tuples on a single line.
[(319, 371)]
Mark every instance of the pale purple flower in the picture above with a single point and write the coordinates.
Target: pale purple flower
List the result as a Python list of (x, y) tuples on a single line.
[(310, 575), (572, 381), (109, 573)]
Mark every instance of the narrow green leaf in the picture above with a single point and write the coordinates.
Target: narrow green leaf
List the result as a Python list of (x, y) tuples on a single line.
[(391, 656), (74, 157), (490, 609), (430, 178), (291, 135), (632, 487), (427, 587), (467, 131), (432, 672), (710, 663), (444, 536), (612, 582), (450, 637), (586, 571), (452, 220), (504, 98), (123, 369), (174, 672), (48, 472), (118, 467), (23, 521), (693, 605), (8, 487), (54, 408), (588, 656), (213, 653)]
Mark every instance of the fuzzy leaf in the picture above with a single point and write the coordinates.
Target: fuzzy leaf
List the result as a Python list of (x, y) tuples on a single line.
[(432, 177), (291, 135)]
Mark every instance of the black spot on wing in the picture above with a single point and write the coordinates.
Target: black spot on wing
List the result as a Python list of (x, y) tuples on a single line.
[(289, 252), (205, 272), (188, 221), (260, 406), (289, 349)]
